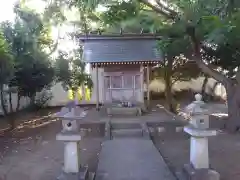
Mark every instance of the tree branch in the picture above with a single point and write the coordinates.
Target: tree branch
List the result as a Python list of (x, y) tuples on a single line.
[(160, 9), (174, 80), (171, 11), (197, 57)]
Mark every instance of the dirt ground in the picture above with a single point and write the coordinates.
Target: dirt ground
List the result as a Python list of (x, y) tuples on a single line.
[(224, 152), (34, 154)]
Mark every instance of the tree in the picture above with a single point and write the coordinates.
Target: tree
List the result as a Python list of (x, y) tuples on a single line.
[(209, 25), (133, 17), (176, 65), (6, 69), (203, 20), (70, 70), (28, 39)]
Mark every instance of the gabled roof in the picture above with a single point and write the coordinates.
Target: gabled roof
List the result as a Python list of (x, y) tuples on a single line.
[(120, 48)]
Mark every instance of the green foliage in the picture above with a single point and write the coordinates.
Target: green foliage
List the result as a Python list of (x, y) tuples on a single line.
[(27, 38), (70, 70), (120, 11), (6, 61)]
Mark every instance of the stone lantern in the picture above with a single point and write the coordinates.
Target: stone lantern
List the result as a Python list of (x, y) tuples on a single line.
[(198, 129), (71, 137)]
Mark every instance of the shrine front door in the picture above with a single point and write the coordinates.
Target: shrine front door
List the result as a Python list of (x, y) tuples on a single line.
[(122, 87)]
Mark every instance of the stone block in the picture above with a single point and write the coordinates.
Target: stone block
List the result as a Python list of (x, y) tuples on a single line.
[(68, 136), (179, 129), (161, 129), (124, 111), (125, 125), (127, 133), (200, 121), (70, 125), (81, 175), (199, 174)]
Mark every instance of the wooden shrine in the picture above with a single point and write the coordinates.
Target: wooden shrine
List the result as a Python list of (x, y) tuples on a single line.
[(120, 66)]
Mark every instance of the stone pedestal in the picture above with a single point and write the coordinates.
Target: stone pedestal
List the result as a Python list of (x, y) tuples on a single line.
[(71, 151), (71, 157), (199, 152), (199, 146), (198, 169)]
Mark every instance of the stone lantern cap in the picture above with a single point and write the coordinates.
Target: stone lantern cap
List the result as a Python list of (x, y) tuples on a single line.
[(197, 107), (74, 114)]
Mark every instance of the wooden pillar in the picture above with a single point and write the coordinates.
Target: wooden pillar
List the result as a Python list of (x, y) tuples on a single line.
[(97, 89), (142, 81), (147, 84)]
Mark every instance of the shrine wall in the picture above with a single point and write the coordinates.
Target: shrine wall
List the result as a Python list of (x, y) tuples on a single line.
[(112, 69)]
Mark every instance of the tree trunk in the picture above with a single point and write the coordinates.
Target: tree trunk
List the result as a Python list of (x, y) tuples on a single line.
[(169, 97), (233, 103), (32, 99), (32, 104), (205, 81), (18, 101), (168, 86), (10, 102), (12, 118), (2, 97)]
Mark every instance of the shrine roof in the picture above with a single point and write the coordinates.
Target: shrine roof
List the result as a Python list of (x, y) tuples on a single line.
[(118, 36), (120, 48)]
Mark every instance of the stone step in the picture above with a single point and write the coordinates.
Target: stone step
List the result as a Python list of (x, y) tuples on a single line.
[(91, 176), (133, 111), (127, 133), (83, 174), (180, 175), (125, 125)]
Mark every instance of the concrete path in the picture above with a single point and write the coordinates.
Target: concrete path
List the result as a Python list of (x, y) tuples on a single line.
[(131, 159)]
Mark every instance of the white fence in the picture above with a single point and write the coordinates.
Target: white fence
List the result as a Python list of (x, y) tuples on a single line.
[(59, 97)]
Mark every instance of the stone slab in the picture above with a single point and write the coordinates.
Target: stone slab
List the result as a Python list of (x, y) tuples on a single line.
[(131, 159), (127, 133), (125, 125), (64, 136), (199, 132), (124, 110), (200, 174), (81, 175)]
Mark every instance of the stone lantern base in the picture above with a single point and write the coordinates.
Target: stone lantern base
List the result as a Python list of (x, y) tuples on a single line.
[(199, 174), (83, 174)]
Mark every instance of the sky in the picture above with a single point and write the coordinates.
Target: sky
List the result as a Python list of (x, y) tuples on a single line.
[(6, 13), (6, 10)]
